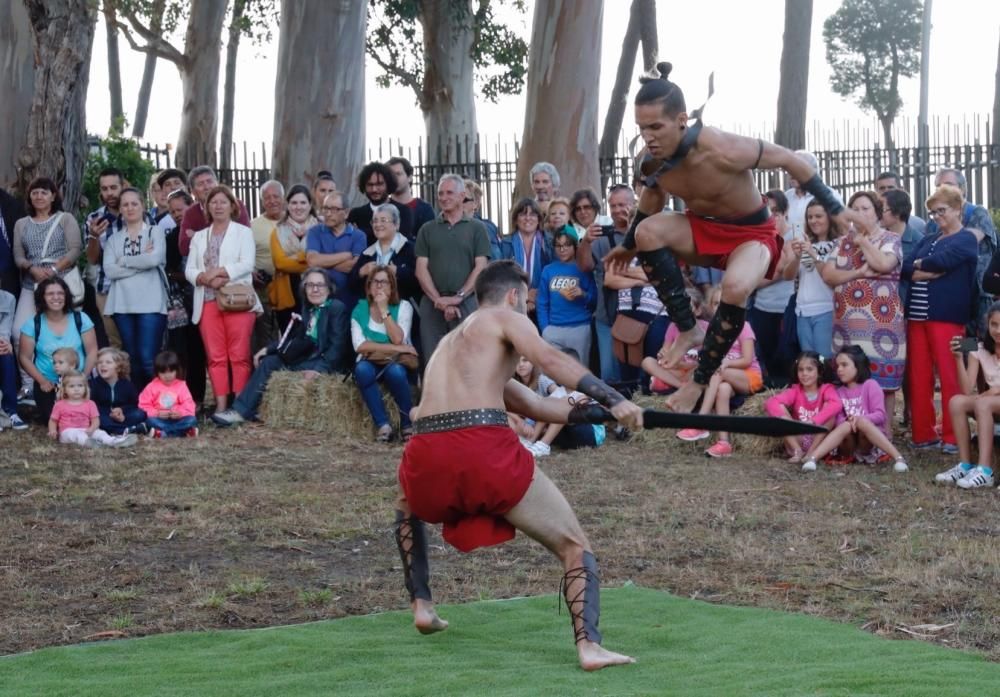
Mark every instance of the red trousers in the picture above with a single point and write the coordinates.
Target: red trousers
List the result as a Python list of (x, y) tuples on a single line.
[(227, 343), (927, 350)]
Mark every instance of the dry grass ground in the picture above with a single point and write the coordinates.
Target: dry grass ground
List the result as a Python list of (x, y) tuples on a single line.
[(256, 527)]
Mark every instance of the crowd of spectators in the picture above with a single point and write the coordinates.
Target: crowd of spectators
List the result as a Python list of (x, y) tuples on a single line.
[(315, 286)]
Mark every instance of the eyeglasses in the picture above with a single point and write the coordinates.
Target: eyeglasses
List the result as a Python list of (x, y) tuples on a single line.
[(938, 212), (468, 200), (316, 286), (618, 187), (582, 207), (380, 281), (527, 212)]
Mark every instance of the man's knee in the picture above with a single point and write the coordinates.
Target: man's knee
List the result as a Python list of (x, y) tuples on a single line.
[(658, 231), (737, 288)]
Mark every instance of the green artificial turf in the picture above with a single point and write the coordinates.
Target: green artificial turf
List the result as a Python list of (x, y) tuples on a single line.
[(515, 647)]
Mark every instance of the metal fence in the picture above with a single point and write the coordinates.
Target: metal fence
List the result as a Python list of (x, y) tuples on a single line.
[(850, 156)]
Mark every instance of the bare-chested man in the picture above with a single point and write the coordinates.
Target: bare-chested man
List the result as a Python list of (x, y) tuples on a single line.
[(727, 224), (465, 467)]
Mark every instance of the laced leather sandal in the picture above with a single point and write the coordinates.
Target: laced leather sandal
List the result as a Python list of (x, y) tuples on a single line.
[(584, 604)]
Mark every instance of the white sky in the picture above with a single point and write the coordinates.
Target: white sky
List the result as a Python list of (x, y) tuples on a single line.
[(744, 51)]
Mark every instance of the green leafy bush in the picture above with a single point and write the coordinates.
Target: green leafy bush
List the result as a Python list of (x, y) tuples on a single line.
[(122, 153)]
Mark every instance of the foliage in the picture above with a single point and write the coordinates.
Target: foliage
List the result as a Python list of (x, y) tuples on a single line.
[(870, 44), (395, 42), (995, 214), (115, 151)]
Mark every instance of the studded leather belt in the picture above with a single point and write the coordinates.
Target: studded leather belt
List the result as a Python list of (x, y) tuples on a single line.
[(453, 420)]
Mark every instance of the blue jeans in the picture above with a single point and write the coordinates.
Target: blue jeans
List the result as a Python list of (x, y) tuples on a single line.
[(8, 384), (609, 366), (395, 377), (133, 417), (248, 401), (173, 428), (142, 339), (816, 333)]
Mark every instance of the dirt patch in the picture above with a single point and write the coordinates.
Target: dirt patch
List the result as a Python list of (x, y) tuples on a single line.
[(256, 527)]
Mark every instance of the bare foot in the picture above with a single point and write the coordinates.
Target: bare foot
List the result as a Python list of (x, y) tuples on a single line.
[(685, 341), (426, 619), (683, 400), (594, 656)]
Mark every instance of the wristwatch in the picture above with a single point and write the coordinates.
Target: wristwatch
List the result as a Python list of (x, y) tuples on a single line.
[(385, 316)]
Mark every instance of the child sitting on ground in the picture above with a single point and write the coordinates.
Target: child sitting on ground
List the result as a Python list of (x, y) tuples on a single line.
[(738, 375), (539, 437), (169, 407), (983, 406), (811, 399), (861, 425), (665, 380), (116, 397), (74, 417)]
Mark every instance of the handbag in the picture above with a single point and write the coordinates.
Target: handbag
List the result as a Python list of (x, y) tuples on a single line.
[(628, 335), (177, 314), (383, 356), (295, 346), (236, 297), (71, 275)]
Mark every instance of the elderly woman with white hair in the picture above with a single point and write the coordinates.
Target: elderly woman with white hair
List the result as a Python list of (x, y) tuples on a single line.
[(392, 249)]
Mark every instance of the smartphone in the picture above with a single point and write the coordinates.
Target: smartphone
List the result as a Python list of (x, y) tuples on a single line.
[(968, 344)]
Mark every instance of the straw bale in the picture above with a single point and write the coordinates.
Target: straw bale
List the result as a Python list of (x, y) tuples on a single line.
[(325, 404)]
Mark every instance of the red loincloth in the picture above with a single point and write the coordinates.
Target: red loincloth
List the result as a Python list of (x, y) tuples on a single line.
[(715, 237), (467, 479)]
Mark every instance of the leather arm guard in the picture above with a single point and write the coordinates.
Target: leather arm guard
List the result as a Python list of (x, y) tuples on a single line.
[(824, 194)]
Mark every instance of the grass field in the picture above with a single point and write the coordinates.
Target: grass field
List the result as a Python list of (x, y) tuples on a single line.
[(257, 528), (516, 647)]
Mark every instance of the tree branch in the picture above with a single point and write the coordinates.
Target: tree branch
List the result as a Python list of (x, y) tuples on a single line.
[(407, 78), (155, 44)]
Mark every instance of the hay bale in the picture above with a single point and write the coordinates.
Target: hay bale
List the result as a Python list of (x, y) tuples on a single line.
[(666, 438), (325, 404)]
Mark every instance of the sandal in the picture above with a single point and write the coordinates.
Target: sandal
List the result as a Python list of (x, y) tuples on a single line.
[(384, 434)]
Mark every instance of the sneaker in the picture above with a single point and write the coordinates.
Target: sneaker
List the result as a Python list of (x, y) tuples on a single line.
[(692, 434), (900, 466), (949, 449), (229, 417), (953, 475), (17, 423), (92, 443), (926, 445), (139, 429), (721, 448), (155, 433), (540, 449), (126, 441), (191, 432), (26, 396), (809, 465), (977, 477)]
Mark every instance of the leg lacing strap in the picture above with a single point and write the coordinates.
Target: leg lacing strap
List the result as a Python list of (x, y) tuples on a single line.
[(665, 276), (581, 588), (411, 540), (722, 333)]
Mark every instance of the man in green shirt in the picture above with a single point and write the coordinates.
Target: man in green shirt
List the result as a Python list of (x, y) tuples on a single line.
[(451, 250)]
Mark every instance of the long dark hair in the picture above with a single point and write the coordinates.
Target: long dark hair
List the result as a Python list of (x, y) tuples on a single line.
[(300, 189), (40, 306), (825, 375), (988, 343), (44, 183), (860, 360)]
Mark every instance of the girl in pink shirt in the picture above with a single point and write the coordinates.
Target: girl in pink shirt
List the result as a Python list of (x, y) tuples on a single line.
[(983, 406), (74, 417), (665, 380), (861, 425), (812, 399), (167, 401)]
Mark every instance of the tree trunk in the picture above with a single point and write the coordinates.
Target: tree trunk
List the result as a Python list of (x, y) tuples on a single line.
[(560, 122), (647, 33), (623, 82), (17, 84), (447, 96), (229, 90), (923, 131), (890, 144), (148, 73), (790, 129), (995, 177), (319, 113), (200, 84), (56, 143), (114, 66)]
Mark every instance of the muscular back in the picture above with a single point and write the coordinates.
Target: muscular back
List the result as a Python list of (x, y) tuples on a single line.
[(473, 363)]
